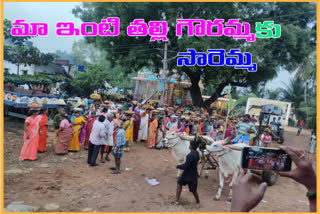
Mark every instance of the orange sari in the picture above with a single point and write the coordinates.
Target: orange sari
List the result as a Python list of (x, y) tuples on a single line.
[(152, 131), (42, 146), (187, 130), (29, 148), (199, 128)]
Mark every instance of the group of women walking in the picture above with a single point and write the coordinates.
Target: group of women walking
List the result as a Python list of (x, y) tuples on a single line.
[(35, 134)]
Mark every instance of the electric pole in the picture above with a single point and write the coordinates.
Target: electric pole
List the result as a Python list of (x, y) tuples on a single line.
[(165, 68)]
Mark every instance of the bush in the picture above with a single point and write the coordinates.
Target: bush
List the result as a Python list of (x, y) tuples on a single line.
[(291, 122)]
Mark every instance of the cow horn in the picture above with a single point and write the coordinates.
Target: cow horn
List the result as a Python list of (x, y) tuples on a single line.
[(186, 137), (235, 147), (226, 141)]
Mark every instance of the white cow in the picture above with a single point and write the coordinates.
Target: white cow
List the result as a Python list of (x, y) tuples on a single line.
[(179, 147), (179, 144), (229, 162)]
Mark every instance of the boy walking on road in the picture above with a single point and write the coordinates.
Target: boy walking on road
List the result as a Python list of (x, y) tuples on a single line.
[(190, 173)]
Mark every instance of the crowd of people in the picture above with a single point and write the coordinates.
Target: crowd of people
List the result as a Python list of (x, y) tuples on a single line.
[(109, 128), (138, 122)]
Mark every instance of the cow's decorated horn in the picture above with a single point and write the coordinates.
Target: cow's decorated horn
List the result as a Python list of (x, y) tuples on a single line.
[(186, 137), (234, 147)]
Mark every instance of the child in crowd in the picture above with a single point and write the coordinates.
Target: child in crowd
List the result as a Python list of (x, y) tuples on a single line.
[(265, 138), (118, 149)]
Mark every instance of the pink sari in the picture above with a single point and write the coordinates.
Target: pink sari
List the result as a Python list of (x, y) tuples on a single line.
[(30, 146)]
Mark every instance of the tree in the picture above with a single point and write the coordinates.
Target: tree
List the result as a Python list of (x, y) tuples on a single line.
[(132, 53), (307, 72), (273, 94), (16, 40), (39, 79), (294, 93), (26, 55), (19, 54), (309, 111), (85, 83), (88, 55)]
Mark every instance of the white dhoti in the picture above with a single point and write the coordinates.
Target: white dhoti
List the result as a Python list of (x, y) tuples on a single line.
[(143, 133)]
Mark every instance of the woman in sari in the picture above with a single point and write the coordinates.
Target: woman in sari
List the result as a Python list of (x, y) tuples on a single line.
[(143, 133), (128, 127), (136, 124), (160, 130), (166, 121), (90, 122), (64, 135), (152, 132), (31, 136), (42, 146), (77, 122)]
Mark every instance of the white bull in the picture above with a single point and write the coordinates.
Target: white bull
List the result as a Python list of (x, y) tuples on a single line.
[(179, 144), (229, 162)]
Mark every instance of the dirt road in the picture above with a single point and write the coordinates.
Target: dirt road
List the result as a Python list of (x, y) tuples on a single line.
[(68, 182)]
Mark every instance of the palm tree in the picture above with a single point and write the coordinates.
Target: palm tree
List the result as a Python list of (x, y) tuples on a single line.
[(308, 72), (294, 92), (310, 110), (273, 94)]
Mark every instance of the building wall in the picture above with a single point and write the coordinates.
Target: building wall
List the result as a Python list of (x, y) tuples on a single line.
[(40, 69), (12, 68), (73, 69), (285, 106)]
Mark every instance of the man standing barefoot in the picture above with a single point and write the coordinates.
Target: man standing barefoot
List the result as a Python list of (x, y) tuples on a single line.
[(190, 173)]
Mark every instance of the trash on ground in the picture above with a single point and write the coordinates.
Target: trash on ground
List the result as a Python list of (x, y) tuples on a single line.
[(152, 182)]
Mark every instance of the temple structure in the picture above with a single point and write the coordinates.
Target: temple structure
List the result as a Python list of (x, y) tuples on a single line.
[(175, 89)]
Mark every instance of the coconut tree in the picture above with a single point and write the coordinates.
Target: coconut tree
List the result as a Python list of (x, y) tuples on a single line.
[(294, 93), (307, 72), (273, 94), (310, 110)]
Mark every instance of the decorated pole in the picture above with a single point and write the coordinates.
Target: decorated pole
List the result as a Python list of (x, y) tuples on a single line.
[(229, 104)]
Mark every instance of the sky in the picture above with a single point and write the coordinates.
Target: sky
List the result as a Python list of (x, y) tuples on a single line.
[(53, 12), (50, 13)]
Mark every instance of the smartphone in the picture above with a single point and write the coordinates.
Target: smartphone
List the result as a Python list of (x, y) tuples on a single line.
[(261, 158)]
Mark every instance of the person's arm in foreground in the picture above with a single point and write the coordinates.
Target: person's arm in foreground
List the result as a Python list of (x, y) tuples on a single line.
[(243, 198), (303, 174)]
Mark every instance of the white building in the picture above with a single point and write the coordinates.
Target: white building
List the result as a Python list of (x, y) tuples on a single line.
[(13, 69), (254, 106)]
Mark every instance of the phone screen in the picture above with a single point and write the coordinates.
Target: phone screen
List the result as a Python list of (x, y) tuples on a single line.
[(265, 159)]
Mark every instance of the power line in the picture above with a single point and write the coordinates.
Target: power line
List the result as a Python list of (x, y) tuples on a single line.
[(149, 49), (132, 46)]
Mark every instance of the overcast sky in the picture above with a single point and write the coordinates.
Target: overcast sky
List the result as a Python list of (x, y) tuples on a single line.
[(53, 12)]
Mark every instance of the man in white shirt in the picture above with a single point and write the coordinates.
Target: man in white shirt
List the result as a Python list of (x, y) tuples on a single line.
[(109, 137), (96, 136), (279, 121)]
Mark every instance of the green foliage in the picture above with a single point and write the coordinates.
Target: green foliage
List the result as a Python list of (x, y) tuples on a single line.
[(19, 54), (308, 72), (232, 105), (291, 122), (41, 79), (132, 53), (294, 92), (273, 94), (16, 40), (309, 111), (86, 54), (26, 55), (85, 83)]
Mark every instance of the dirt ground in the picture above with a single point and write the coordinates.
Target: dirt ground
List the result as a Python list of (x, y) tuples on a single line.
[(75, 187)]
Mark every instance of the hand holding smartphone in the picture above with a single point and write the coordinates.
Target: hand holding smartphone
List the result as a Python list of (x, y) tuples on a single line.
[(261, 158)]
